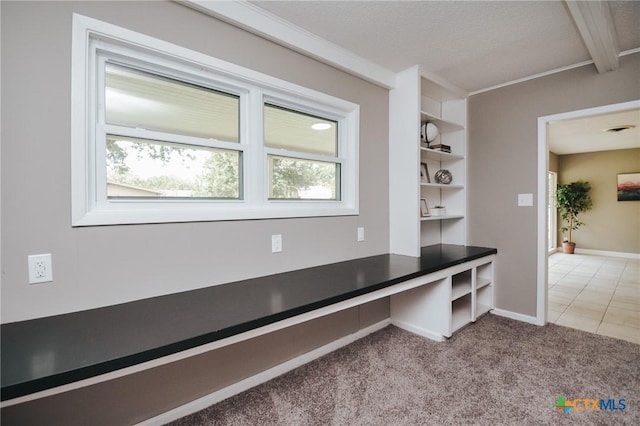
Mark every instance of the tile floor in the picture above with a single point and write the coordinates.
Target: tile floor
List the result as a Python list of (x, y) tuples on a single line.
[(595, 293)]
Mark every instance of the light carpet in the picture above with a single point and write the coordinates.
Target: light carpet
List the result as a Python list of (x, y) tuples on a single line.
[(494, 372)]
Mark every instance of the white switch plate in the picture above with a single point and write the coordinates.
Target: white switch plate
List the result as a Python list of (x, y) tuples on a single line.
[(276, 243), (40, 268), (361, 233), (525, 200)]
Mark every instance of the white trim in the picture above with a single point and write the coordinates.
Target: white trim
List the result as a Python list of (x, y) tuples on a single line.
[(420, 331), (542, 261), (262, 377), (531, 77), (608, 253), (90, 205), (546, 73), (256, 20), (516, 316), (542, 252)]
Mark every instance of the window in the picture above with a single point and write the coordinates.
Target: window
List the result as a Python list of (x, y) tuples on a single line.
[(302, 152), (197, 167), (164, 134)]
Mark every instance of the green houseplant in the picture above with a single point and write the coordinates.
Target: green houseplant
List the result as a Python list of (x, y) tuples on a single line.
[(572, 199)]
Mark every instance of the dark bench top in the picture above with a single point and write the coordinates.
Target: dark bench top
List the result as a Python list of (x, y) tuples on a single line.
[(47, 352)]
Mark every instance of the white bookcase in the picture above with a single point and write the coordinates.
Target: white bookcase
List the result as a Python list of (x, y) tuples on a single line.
[(452, 300), (417, 99)]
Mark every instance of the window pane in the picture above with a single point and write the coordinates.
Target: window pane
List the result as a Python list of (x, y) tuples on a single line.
[(139, 99), (295, 131), (297, 179), (142, 168)]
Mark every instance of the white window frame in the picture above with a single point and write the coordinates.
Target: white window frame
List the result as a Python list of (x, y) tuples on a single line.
[(93, 41)]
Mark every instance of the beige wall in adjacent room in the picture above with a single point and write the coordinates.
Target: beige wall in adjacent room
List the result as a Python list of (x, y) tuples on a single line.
[(553, 162), (502, 152), (611, 225)]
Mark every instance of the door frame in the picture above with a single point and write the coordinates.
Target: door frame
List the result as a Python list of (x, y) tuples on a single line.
[(543, 167)]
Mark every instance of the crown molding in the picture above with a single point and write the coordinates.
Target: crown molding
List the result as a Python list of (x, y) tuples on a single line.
[(256, 20), (546, 73)]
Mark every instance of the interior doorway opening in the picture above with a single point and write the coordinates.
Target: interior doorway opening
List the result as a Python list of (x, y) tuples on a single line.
[(542, 200)]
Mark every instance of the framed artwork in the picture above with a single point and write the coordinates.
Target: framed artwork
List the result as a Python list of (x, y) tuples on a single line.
[(424, 210), (629, 187), (424, 173)]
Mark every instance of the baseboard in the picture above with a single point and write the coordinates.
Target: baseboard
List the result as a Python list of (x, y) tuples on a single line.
[(418, 330), (516, 316), (608, 253), (248, 383)]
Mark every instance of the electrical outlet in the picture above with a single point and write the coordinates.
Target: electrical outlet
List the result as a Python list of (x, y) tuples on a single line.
[(361, 233), (40, 268), (276, 243)]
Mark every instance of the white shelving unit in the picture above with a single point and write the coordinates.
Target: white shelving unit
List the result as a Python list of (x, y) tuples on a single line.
[(451, 301), (417, 99)]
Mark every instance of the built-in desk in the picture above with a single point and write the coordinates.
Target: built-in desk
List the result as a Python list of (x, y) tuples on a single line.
[(50, 352)]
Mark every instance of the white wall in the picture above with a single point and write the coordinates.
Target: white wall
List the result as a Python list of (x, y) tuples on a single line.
[(99, 266)]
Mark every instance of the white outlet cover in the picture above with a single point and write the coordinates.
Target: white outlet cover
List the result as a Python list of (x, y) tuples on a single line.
[(40, 268), (276, 243), (361, 233)]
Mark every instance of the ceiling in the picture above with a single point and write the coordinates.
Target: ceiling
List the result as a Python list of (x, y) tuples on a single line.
[(589, 134), (473, 46)]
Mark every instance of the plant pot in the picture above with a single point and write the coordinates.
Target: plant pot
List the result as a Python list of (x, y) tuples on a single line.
[(568, 247)]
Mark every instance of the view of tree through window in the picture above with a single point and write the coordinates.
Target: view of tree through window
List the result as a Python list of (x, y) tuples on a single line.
[(310, 169), (293, 178), (142, 168)]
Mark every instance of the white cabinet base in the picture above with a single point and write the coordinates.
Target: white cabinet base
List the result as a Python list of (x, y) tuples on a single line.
[(443, 305)]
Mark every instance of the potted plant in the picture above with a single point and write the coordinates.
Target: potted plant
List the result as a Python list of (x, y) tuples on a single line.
[(572, 199)]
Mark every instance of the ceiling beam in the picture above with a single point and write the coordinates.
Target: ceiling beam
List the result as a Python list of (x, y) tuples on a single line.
[(595, 24)]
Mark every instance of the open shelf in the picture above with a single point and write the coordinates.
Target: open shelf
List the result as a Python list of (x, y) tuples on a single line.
[(439, 155), (447, 217), (460, 284), (428, 99), (443, 306), (444, 126), (441, 186), (460, 312), (484, 300)]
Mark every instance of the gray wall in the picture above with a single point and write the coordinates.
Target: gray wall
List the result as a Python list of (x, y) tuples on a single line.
[(106, 265), (100, 266), (611, 225), (503, 143)]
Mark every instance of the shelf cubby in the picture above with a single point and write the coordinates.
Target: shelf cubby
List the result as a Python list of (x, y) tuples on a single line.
[(460, 313), (460, 284)]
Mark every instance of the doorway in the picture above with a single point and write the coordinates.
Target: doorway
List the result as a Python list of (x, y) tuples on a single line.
[(543, 188)]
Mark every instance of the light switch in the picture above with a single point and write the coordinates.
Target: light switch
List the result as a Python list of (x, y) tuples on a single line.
[(525, 200)]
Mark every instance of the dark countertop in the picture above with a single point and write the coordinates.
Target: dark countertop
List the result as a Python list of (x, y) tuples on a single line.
[(47, 352)]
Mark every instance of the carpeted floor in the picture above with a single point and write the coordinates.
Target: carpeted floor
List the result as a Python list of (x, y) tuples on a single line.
[(496, 371)]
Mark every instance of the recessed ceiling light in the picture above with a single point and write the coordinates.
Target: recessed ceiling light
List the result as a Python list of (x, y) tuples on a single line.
[(321, 126), (618, 129)]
